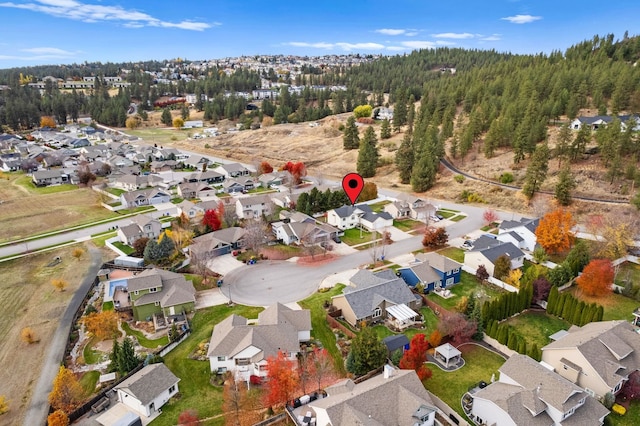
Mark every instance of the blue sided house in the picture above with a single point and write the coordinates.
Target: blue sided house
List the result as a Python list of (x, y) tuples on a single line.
[(433, 271)]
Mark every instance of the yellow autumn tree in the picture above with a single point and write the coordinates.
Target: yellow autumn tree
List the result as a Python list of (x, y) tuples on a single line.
[(47, 121), (58, 418), (67, 392), (178, 122), (514, 278), (28, 335), (103, 325), (77, 252), (554, 232), (4, 405), (59, 284)]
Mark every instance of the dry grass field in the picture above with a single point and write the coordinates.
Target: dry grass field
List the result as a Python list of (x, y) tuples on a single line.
[(26, 210), (27, 299)]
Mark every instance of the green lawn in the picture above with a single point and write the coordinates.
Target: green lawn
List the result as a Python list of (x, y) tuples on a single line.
[(480, 364), (88, 382), (115, 191), (124, 248), (379, 206), (628, 271), (430, 324), (631, 418), (458, 218), (352, 237), (27, 183), (147, 343), (90, 355), (467, 286), (453, 253), (321, 330), (99, 241), (107, 306), (196, 392), (616, 306), (448, 210), (446, 214), (407, 225), (536, 327)]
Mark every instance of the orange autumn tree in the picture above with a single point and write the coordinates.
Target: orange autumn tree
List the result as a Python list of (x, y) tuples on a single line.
[(596, 278), (103, 325), (282, 380), (554, 231), (416, 356), (58, 418), (67, 393)]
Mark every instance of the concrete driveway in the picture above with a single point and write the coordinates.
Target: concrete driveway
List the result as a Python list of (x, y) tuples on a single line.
[(224, 264), (208, 298)]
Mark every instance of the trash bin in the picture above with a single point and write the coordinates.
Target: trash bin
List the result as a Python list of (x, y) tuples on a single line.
[(219, 283)]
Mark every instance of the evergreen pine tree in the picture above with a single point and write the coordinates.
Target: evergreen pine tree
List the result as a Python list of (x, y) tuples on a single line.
[(166, 117), (567, 309), (512, 341), (350, 139), (404, 158), (114, 356), (128, 359), (552, 300), (400, 110), (562, 299), (537, 170), (385, 129), (577, 312), (368, 154), (565, 185), (522, 346), (599, 314)]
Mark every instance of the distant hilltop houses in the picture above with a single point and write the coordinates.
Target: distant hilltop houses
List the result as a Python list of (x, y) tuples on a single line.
[(85, 83)]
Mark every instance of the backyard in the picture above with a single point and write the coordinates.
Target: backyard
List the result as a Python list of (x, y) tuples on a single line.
[(469, 286), (479, 365), (196, 391), (628, 271), (616, 306), (536, 327), (430, 322)]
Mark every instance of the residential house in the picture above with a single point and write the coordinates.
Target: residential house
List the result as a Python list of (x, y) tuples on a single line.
[(163, 166), (192, 124), (156, 293), (349, 217), (303, 233), (233, 170), (141, 226), (196, 210), (208, 176), (419, 208), (384, 113), (522, 233), (486, 250), (136, 182), (254, 207), (395, 397), (217, 243), (598, 121), (376, 297), (49, 177), (243, 349), (147, 390), (433, 271), (144, 197), (270, 180), (598, 356), (196, 190), (527, 393), (196, 161), (285, 200)]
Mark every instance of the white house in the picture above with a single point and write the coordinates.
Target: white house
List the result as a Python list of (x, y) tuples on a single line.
[(349, 217), (527, 393), (487, 250), (148, 390), (253, 207), (244, 349), (522, 233)]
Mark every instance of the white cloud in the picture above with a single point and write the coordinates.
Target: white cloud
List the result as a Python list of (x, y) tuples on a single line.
[(48, 51), (91, 13), (492, 37), (419, 44), (344, 46), (521, 19), (40, 54), (320, 45), (453, 35), (391, 31)]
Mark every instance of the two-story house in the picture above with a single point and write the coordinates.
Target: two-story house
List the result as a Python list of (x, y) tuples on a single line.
[(142, 225), (159, 292), (486, 250), (349, 217), (522, 233), (243, 349), (527, 393), (253, 207), (598, 356), (409, 206), (432, 270), (378, 297)]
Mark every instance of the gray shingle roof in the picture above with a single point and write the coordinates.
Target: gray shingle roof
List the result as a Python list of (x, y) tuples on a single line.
[(148, 383), (494, 252), (438, 261), (281, 314), (172, 289), (395, 342), (371, 290), (376, 401)]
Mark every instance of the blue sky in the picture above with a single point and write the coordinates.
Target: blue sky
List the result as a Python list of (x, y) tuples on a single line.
[(35, 32)]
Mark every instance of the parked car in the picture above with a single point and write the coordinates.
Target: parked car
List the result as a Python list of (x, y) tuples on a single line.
[(337, 239), (467, 244)]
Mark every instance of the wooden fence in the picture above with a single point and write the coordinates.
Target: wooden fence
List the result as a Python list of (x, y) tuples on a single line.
[(334, 323)]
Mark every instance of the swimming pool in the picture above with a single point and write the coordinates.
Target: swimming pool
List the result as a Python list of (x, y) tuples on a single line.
[(110, 288)]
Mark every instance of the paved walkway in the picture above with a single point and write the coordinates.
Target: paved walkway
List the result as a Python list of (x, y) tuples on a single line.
[(338, 277)]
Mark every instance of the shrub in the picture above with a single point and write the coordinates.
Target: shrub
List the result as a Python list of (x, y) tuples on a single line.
[(458, 178), (609, 400), (506, 178), (365, 120), (28, 335)]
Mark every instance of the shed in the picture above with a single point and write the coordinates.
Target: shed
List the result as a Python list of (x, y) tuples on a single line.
[(395, 342)]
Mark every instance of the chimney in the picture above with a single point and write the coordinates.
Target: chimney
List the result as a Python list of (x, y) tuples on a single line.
[(387, 371)]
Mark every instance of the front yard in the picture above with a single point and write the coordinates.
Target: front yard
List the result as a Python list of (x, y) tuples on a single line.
[(453, 253), (196, 391), (479, 365), (469, 286), (353, 237), (536, 327), (407, 225)]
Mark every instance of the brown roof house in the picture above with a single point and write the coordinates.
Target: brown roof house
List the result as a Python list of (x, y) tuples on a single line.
[(158, 294), (396, 397), (528, 393), (243, 349), (598, 356)]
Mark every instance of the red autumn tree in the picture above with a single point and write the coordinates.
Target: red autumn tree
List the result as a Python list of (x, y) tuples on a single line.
[(489, 216), (596, 278), (211, 220), (416, 356), (322, 369), (458, 328), (435, 237), (264, 168), (554, 231), (282, 380), (631, 388), (298, 170), (188, 418)]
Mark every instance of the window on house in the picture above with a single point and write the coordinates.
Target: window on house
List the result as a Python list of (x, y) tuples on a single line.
[(157, 303), (243, 361), (222, 370), (153, 290), (455, 271), (377, 312), (172, 389), (450, 281), (136, 292), (222, 358)]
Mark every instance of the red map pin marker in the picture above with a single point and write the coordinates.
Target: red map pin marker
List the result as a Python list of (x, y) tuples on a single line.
[(352, 185)]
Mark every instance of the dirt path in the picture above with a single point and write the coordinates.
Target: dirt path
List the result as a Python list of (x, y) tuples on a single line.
[(39, 406)]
